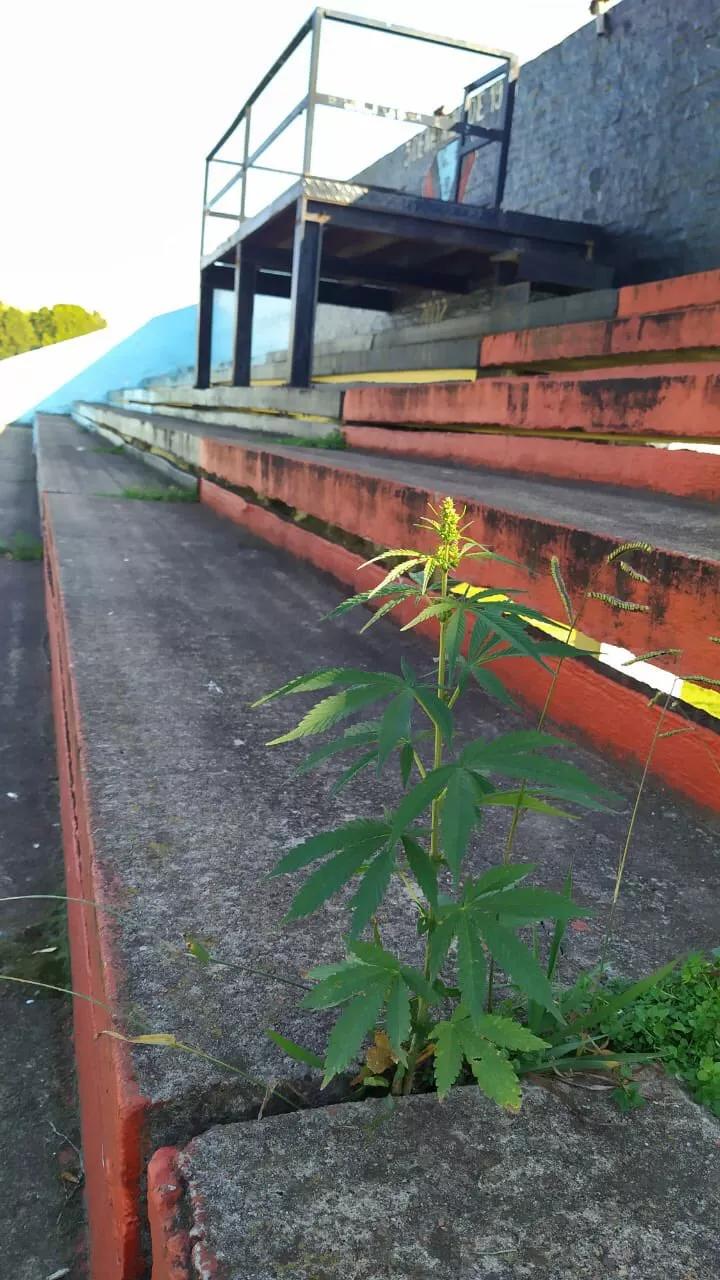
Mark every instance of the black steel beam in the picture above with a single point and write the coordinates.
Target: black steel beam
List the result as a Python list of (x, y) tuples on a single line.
[(404, 227), (274, 285), (245, 286), (204, 331), (358, 271), (307, 249)]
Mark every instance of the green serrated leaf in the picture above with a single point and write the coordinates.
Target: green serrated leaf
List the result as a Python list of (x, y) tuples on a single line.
[(398, 589), (397, 1018), (472, 967), (493, 685), (423, 869), (373, 954), (334, 709), (532, 904), (407, 759), (435, 610), (418, 983), (454, 636), (381, 612), (501, 878), (348, 774), (395, 725), (295, 1051), (321, 679), (357, 735), (521, 798), (497, 1077), (437, 710), (350, 1030), (448, 1056), (396, 572), (419, 798), (507, 1033), (458, 818), (329, 879), (440, 940), (372, 890), (350, 981), (366, 831), (519, 963)]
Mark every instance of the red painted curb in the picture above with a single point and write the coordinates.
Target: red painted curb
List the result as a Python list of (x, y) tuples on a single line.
[(170, 1241), (605, 713), (683, 596), (698, 290), (679, 400), (668, 331), (682, 473), (111, 1107)]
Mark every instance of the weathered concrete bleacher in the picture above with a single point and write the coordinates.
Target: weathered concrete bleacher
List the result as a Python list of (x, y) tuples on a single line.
[(378, 498), (165, 623), (568, 1189)]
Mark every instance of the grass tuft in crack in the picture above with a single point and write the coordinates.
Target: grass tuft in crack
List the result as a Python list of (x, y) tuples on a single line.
[(21, 546)]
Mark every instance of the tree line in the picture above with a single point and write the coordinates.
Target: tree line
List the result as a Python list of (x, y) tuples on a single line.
[(25, 330)]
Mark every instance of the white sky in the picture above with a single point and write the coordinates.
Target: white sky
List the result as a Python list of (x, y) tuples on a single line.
[(109, 110)]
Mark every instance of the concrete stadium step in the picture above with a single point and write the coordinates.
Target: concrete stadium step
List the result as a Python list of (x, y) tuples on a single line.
[(70, 461), (628, 340), (317, 503), (653, 429), (676, 319), (132, 419), (678, 402), (313, 403), (463, 1200), (165, 623)]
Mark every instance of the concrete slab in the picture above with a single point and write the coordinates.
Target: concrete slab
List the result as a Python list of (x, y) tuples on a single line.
[(679, 607), (687, 473), (313, 402), (671, 402), (257, 425), (567, 1190), (692, 333), (70, 460), (166, 623)]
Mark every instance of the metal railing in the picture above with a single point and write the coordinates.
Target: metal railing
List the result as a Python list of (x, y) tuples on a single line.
[(462, 123)]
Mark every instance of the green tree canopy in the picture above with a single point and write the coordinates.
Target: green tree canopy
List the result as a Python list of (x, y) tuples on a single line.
[(26, 330)]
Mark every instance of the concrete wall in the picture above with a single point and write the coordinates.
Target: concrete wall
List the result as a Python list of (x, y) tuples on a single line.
[(622, 130)]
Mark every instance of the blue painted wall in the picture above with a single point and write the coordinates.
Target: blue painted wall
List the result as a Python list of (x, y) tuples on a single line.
[(164, 346)]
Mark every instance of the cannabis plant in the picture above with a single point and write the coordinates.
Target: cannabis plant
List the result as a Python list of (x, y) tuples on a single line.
[(470, 924)]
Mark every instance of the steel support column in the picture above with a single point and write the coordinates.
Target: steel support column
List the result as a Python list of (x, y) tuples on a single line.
[(204, 330), (245, 274), (307, 248)]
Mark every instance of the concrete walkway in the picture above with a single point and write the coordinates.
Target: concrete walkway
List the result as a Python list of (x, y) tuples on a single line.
[(173, 622), (40, 1228)]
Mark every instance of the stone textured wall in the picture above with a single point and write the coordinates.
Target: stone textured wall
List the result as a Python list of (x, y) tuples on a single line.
[(622, 130)]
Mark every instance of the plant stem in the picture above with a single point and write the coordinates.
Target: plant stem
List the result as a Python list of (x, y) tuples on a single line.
[(421, 1011), (620, 873), (438, 746)]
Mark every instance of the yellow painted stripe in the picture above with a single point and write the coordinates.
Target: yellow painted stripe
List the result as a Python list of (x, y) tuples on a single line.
[(393, 375), (695, 695)]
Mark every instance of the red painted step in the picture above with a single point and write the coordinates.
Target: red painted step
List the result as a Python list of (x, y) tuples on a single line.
[(699, 290), (652, 336), (681, 401), (683, 472)]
